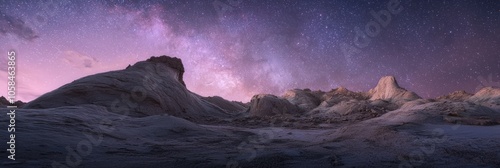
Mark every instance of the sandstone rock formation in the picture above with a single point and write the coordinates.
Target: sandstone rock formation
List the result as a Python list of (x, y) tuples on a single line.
[(174, 63), (269, 105), (304, 99), (228, 106), (340, 94), (150, 87), (388, 89), (485, 94), (4, 103), (456, 96)]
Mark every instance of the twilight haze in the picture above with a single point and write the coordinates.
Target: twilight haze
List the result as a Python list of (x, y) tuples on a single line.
[(239, 48)]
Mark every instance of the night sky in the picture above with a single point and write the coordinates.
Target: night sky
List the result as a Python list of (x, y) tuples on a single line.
[(238, 48)]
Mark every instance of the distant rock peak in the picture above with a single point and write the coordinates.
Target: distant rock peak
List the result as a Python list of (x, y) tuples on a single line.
[(342, 89), (388, 88), (172, 62), (388, 81)]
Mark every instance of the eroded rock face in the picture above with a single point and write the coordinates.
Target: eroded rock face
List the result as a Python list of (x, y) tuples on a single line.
[(269, 105), (172, 62), (388, 89), (150, 87)]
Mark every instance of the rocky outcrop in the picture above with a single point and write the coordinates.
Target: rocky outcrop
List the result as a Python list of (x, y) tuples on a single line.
[(388, 89), (150, 87), (340, 91), (269, 105), (340, 94), (4, 103), (350, 106), (304, 99), (487, 96), (455, 96), (174, 63), (228, 106), (486, 93)]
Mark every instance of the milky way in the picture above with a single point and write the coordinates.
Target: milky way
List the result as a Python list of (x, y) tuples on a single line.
[(238, 48)]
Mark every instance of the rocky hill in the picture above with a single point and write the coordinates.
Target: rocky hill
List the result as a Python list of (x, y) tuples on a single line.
[(150, 87), (388, 89)]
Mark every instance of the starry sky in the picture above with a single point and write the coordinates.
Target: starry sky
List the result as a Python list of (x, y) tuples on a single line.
[(239, 48)]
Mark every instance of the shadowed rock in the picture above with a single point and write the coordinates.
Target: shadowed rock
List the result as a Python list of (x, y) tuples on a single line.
[(340, 94), (228, 106), (456, 96), (150, 87), (269, 105), (486, 93)]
